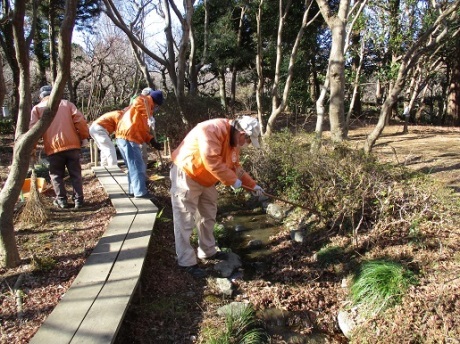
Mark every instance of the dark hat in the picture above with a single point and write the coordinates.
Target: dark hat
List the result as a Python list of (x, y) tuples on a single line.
[(157, 97)]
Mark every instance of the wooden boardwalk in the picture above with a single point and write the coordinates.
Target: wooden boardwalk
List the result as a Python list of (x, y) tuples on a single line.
[(93, 308)]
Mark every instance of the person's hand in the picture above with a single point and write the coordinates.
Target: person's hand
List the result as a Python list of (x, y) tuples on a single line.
[(237, 184), (84, 143), (155, 144), (258, 191)]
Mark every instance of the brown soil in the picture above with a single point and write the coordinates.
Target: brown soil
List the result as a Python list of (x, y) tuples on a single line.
[(172, 307)]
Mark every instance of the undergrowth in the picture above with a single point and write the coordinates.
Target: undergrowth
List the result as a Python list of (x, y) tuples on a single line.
[(240, 327), (350, 189)]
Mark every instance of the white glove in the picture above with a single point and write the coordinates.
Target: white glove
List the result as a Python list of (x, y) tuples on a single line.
[(237, 184), (84, 143), (258, 191)]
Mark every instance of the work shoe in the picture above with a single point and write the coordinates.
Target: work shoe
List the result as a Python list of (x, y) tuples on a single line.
[(195, 271), (60, 203), (78, 204), (219, 255), (148, 195)]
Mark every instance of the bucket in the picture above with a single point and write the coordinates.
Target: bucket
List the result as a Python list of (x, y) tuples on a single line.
[(40, 182)]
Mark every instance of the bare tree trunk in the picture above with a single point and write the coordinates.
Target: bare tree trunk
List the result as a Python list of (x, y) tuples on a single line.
[(320, 113), (453, 96), (26, 139), (7, 42), (52, 43), (260, 78), (234, 69), (2, 84), (222, 90), (279, 103), (336, 23), (355, 95)]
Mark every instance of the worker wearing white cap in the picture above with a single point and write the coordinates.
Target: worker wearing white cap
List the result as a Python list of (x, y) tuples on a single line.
[(208, 154)]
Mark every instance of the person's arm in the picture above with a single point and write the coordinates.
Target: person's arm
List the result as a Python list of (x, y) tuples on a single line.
[(79, 122)]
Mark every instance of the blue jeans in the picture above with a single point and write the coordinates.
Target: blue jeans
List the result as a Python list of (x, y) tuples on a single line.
[(137, 173)]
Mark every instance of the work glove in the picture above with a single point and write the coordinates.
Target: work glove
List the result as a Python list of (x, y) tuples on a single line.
[(237, 184), (84, 143), (258, 191), (156, 144)]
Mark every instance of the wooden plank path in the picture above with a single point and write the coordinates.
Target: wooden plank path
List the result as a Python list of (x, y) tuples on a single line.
[(93, 308)]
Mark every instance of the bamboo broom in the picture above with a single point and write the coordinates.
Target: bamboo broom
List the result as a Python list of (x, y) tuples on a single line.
[(34, 212)]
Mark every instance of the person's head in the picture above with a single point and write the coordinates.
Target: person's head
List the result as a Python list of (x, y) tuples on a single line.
[(157, 97), (45, 91), (247, 131)]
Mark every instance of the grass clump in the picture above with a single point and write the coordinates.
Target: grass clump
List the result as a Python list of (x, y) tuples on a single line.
[(379, 285), (329, 255), (240, 327)]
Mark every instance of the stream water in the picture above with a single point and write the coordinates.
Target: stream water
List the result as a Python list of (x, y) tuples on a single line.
[(248, 231)]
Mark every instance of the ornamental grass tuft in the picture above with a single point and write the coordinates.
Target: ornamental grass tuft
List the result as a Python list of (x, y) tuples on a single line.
[(380, 284)]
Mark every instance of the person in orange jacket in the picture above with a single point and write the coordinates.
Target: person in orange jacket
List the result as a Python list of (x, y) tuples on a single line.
[(208, 154), (100, 130), (132, 131), (62, 141)]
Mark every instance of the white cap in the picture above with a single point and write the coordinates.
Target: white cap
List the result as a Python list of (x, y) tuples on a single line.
[(251, 127), (146, 91)]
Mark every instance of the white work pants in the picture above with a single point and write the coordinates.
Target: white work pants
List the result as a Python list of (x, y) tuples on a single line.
[(105, 144), (193, 206)]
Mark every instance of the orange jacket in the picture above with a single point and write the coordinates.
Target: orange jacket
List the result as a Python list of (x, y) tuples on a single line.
[(206, 156), (109, 120), (67, 129), (133, 125)]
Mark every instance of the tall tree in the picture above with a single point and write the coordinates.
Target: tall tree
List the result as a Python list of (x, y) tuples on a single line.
[(431, 38), (175, 53), (26, 139), (279, 101), (336, 16)]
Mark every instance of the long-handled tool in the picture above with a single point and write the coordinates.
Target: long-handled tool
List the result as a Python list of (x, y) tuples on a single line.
[(279, 199), (161, 158)]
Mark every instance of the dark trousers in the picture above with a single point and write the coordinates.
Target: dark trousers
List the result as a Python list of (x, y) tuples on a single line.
[(58, 163)]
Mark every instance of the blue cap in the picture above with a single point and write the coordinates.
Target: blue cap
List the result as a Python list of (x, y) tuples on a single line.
[(157, 97)]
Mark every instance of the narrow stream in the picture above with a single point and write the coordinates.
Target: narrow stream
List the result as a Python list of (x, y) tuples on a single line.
[(248, 233)]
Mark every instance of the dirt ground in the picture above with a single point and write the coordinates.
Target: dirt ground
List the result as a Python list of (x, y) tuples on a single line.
[(171, 306), (432, 150)]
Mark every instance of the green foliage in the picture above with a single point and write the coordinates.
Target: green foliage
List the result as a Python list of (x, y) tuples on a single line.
[(43, 263), (220, 234), (6, 126), (330, 254), (169, 122), (379, 285), (243, 328)]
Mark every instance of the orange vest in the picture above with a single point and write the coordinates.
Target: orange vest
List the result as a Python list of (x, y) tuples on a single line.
[(109, 120), (133, 125), (206, 156)]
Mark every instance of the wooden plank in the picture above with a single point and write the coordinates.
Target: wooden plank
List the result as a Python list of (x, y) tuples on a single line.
[(93, 308), (100, 325), (65, 319)]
